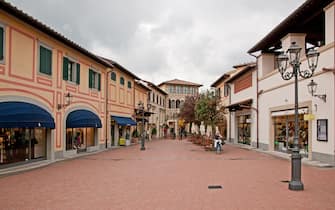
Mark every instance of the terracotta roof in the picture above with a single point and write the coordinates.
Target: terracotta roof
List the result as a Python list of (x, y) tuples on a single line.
[(180, 82), (222, 78), (241, 71), (120, 67), (138, 82), (150, 84), (302, 20), (19, 14)]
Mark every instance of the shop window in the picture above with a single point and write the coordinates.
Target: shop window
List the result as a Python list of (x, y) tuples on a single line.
[(45, 64), (2, 41), (244, 129), (129, 84), (113, 76), (71, 70), (94, 80)]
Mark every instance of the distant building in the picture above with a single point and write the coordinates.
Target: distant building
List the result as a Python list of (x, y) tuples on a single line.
[(177, 90)]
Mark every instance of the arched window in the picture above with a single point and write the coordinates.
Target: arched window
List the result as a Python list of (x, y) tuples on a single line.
[(177, 104), (121, 80), (129, 84), (113, 76), (170, 104)]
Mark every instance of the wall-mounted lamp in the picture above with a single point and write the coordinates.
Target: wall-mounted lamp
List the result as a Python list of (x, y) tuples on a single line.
[(312, 86), (68, 98)]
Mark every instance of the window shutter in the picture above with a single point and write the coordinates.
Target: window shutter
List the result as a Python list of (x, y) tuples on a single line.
[(1, 43), (90, 78), (48, 61), (43, 59), (99, 82), (78, 74), (65, 68)]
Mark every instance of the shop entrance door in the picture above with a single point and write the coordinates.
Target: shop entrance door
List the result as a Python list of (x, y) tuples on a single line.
[(113, 135)]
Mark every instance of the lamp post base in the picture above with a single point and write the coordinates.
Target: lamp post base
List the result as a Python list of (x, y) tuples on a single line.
[(296, 185), (142, 148)]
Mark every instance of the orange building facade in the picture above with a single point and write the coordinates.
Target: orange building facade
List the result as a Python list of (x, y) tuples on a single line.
[(56, 98)]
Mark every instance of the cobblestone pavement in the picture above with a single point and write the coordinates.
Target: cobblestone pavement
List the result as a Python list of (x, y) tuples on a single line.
[(170, 174)]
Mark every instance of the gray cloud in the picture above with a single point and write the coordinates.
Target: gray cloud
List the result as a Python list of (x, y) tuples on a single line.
[(159, 40)]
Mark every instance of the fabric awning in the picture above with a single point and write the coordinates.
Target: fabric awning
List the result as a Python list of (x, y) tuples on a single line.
[(24, 115), (83, 119), (124, 120)]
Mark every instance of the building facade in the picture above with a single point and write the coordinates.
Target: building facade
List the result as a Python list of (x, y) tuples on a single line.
[(57, 99), (263, 111), (177, 91), (157, 120)]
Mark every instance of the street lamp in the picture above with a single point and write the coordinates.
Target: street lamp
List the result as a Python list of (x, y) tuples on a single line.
[(312, 86), (293, 56), (140, 106), (68, 98)]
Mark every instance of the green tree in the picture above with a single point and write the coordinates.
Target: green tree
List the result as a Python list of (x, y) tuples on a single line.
[(187, 110), (209, 110)]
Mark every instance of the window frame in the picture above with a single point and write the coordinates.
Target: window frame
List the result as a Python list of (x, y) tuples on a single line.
[(122, 81), (48, 47), (3, 59), (74, 71), (95, 79), (129, 84), (113, 73)]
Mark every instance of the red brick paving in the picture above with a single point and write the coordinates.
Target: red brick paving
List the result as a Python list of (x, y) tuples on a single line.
[(168, 175)]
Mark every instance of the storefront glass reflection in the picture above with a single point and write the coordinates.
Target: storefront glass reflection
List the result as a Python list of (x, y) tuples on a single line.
[(284, 134), (22, 144), (79, 138)]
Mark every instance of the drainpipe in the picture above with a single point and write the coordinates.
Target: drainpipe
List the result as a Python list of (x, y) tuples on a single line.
[(257, 105), (106, 108), (229, 113)]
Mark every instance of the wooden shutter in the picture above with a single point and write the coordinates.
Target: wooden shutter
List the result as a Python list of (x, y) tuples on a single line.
[(99, 82), (48, 63), (42, 60), (90, 78), (65, 68), (78, 74), (1, 43)]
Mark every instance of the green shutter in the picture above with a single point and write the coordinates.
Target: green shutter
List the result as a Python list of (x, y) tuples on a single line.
[(90, 78), (1, 43), (99, 82), (78, 74), (49, 61), (65, 68), (42, 59)]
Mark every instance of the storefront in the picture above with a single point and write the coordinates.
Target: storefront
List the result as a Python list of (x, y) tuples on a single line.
[(121, 131), (81, 130), (284, 125), (24, 131), (244, 129)]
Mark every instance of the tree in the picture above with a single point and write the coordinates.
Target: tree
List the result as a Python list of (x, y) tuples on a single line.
[(209, 110), (187, 111)]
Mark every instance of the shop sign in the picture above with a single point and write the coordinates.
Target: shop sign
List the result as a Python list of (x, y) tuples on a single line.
[(309, 117)]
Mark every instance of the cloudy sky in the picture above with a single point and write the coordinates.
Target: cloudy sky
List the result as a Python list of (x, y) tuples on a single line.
[(159, 40)]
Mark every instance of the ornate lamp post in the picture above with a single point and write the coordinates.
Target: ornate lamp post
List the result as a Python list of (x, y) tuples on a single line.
[(140, 106), (293, 56)]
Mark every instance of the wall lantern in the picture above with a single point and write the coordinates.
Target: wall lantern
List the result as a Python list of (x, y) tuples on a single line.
[(68, 98), (312, 86)]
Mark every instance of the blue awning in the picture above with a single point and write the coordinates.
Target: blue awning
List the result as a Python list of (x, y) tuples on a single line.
[(83, 119), (124, 120), (24, 115)]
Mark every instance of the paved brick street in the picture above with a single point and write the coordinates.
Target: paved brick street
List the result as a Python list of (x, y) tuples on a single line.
[(168, 175)]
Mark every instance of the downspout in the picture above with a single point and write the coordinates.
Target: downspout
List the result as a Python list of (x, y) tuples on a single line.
[(257, 105), (106, 109), (229, 113)]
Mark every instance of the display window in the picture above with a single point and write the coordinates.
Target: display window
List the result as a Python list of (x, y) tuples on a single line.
[(22, 144), (244, 128), (284, 134), (79, 138)]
